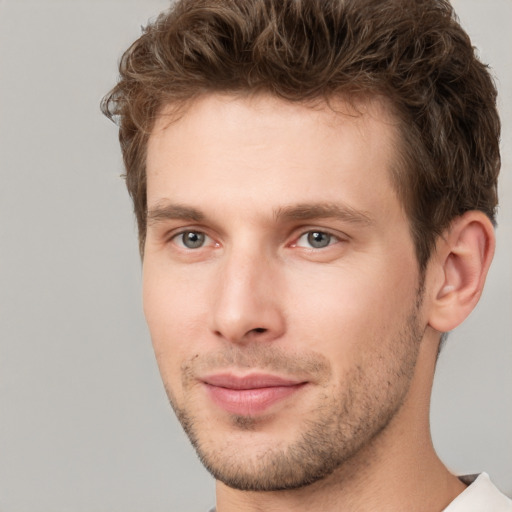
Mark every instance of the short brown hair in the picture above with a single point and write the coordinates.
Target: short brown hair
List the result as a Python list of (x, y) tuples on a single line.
[(413, 52)]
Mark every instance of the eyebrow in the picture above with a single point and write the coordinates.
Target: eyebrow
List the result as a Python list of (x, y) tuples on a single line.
[(162, 212), (300, 212), (307, 211)]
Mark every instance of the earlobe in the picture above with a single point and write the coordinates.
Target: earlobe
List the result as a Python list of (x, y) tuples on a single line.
[(464, 254)]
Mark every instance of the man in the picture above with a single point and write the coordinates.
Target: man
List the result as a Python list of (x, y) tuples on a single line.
[(315, 190)]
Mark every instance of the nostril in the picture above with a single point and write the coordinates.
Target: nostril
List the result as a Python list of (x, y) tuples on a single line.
[(259, 329)]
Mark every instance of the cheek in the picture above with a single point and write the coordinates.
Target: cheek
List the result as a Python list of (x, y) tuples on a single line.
[(346, 312), (175, 311)]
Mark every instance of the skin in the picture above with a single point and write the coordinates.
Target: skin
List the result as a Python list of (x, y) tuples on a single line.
[(250, 179)]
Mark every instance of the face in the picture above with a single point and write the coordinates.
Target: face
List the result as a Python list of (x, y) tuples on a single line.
[(281, 287)]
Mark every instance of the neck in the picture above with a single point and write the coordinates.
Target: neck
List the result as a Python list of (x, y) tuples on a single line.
[(398, 471)]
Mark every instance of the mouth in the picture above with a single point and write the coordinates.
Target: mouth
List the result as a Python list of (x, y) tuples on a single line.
[(249, 395)]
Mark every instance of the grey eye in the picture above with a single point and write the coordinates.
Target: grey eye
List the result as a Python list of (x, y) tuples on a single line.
[(192, 239), (318, 239)]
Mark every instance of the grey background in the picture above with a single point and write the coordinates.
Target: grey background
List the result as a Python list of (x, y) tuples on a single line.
[(84, 421)]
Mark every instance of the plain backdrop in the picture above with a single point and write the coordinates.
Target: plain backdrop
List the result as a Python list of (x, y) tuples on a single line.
[(84, 421)]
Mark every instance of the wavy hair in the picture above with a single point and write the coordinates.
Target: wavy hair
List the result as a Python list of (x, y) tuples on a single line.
[(412, 52)]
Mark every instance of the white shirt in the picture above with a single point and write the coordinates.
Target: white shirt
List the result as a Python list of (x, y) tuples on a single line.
[(480, 496)]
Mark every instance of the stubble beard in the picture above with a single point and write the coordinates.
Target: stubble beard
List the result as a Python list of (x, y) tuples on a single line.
[(339, 427)]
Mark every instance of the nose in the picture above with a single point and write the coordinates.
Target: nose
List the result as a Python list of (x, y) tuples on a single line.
[(246, 301)]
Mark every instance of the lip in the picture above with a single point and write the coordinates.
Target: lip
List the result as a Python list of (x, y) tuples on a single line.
[(249, 395)]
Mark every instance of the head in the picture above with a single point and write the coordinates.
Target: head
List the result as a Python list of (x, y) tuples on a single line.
[(295, 167)]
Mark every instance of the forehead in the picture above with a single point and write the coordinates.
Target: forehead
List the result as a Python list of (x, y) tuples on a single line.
[(243, 148), (264, 110)]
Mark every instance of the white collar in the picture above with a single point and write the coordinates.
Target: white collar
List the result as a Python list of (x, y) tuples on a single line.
[(481, 495)]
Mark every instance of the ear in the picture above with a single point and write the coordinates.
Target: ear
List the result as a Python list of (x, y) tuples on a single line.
[(462, 259)]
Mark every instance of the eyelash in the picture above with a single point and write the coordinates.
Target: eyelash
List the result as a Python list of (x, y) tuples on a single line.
[(178, 239), (332, 239), (181, 234)]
